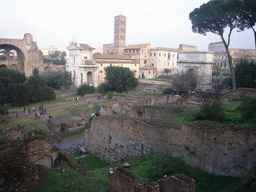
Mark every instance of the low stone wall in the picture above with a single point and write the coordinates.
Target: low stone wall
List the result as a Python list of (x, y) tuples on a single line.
[(123, 180), (84, 113), (67, 123), (236, 94), (15, 132), (216, 148), (155, 112)]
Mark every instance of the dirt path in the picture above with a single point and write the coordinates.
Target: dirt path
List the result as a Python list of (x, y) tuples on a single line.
[(45, 117)]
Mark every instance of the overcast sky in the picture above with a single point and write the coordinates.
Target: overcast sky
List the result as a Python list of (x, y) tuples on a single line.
[(163, 23)]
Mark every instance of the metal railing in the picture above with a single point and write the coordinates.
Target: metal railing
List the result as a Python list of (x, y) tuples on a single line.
[(73, 149)]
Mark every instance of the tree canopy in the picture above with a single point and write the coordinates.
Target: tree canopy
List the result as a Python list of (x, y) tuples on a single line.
[(246, 74), (215, 16), (16, 91), (248, 17), (56, 79), (120, 79)]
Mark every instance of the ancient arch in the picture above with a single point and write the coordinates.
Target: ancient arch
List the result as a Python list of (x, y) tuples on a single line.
[(12, 57), (20, 54)]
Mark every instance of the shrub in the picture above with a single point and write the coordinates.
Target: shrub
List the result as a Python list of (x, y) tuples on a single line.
[(103, 88), (212, 111), (227, 82), (248, 108), (215, 73), (168, 91), (85, 89)]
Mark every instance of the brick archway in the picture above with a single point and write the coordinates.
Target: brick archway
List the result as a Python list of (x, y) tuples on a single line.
[(28, 55)]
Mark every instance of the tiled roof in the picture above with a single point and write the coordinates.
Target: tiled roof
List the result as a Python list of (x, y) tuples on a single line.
[(105, 56), (136, 46), (147, 67), (164, 49)]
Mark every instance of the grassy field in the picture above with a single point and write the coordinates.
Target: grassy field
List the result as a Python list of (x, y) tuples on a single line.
[(28, 122), (56, 103), (233, 116), (147, 168)]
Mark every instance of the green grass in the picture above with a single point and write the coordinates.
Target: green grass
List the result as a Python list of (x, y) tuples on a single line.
[(91, 110), (147, 168), (64, 178), (148, 93), (152, 168), (233, 116), (28, 123), (70, 180), (59, 112), (47, 104)]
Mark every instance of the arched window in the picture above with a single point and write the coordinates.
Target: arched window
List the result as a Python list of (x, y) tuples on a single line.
[(89, 78), (3, 56)]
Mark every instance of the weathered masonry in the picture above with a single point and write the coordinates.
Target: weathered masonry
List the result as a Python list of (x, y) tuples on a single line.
[(216, 148)]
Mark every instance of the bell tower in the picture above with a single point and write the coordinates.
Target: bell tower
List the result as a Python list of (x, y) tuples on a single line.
[(119, 34)]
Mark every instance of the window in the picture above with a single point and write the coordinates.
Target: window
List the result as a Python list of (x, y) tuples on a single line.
[(150, 54), (101, 64), (145, 61), (154, 54), (133, 51), (159, 54), (152, 64), (165, 54), (148, 72)]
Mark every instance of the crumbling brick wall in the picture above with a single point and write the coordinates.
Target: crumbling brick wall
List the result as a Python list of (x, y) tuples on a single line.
[(217, 148), (17, 158), (122, 180)]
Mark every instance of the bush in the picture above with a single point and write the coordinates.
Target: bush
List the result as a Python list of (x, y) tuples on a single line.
[(4, 108), (212, 111), (248, 108), (227, 82), (103, 88), (168, 91), (245, 74), (85, 89), (215, 73)]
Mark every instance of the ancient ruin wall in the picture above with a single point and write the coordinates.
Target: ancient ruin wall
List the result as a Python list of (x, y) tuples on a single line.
[(223, 150)]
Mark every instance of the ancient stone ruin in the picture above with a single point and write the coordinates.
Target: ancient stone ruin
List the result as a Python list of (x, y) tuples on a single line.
[(22, 160), (122, 180), (211, 146)]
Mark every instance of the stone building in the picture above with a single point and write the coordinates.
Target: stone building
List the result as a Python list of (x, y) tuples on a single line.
[(199, 62), (103, 61), (162, 58), (148, 72), (140, 52), (108, 49), (21, 54), (220, 55), (80, 64)]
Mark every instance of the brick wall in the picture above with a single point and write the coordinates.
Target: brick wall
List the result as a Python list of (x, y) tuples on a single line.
[(217, 148), (122, 180)]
